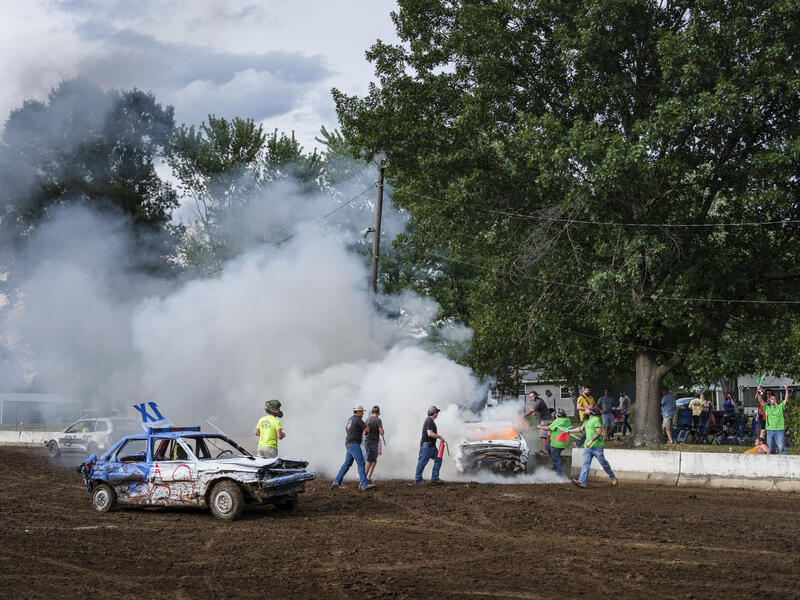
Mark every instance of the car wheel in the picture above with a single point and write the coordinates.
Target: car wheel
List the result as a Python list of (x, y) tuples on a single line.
[(92, 448), (288, 504), (103, 498), (226, 500), (52, 448)]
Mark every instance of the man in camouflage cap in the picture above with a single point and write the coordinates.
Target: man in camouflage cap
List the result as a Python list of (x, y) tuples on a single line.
[(269, 430)]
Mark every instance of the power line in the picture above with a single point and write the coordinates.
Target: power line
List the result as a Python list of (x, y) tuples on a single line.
[(323, 217), (755, 363), (617, 223), (654, 297)]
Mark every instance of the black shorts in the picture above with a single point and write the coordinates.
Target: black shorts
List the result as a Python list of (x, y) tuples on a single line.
[(372, 451)]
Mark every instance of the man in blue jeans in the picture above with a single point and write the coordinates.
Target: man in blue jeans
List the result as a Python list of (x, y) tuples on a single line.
[(355, 430), (593, 448), (427, 448), (776, 435)]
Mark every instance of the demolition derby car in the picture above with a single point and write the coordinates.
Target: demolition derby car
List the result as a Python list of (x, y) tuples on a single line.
[(182, 466), (90, 435), (495, 446)]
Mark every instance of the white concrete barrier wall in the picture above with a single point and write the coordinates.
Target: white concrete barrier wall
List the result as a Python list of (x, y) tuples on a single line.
[(750, 471), (26, 438)]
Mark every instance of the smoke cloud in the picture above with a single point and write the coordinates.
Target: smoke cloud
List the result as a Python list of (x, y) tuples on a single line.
[(290, 321)]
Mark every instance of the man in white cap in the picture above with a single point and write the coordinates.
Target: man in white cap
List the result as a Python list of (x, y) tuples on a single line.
[(355, 430), (427, 448)]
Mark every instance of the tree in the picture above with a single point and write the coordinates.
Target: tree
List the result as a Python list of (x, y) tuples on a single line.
[(579, 157), (86, 145)]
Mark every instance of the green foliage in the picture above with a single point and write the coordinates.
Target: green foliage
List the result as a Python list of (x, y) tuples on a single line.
[(792, 421), (573, 114), (87, 146)]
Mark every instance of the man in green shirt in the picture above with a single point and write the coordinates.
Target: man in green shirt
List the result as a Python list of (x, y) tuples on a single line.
[(269, 430), (593, 448), (559, 438), (776, 436)]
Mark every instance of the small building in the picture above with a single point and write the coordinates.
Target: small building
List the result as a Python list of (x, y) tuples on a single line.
[(16, 408)]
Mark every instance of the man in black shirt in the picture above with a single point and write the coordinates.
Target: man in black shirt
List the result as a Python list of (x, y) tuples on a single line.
[(427, 448), (355, 430), (374, 431)]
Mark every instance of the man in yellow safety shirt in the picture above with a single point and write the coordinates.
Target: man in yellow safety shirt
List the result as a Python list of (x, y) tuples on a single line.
[(585, 402), (269, 430)]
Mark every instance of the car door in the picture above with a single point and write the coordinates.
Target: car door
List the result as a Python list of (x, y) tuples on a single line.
[(174, 472), (76, 436), (128, 471)]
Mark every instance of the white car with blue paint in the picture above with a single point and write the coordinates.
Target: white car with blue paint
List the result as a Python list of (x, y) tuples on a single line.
[(183, 466)]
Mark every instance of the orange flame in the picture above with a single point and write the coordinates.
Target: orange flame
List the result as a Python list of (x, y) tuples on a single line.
[(484, 433)]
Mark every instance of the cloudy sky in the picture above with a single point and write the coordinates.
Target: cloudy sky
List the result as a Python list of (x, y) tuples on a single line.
[(272, 60)]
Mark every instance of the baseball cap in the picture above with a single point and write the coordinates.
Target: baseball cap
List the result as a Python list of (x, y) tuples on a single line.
[(433, 410), (376, 409)]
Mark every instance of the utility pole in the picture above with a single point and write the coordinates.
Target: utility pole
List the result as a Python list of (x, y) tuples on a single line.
[(376, 241)]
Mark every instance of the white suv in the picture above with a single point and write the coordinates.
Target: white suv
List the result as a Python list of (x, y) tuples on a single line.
[(91, 435)]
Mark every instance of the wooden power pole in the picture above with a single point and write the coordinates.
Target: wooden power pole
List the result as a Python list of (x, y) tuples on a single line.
[(376, 241)]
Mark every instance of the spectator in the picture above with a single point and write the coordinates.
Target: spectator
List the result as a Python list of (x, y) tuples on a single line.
[(729, 410), (606, 405), (625, 411), (761, 447), (776, 436), (667, 412), (585, 401), (696, 405)]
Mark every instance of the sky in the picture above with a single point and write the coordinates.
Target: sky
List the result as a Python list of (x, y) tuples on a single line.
[(273, 61)]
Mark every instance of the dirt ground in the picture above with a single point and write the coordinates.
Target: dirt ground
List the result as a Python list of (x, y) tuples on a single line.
[(460, 540)]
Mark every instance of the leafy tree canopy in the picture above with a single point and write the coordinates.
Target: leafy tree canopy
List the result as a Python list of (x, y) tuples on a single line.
[(86, 145), (556, 151)]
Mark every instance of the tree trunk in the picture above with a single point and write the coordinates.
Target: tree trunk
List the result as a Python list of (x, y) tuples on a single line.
[(647, 422)]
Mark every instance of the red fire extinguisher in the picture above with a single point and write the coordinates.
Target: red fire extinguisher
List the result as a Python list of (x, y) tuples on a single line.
[(442, 444)]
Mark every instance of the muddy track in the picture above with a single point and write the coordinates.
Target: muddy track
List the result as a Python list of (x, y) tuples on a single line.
[(461, 540)]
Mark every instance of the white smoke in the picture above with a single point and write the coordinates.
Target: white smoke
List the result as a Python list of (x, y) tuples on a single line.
[(291, 322)]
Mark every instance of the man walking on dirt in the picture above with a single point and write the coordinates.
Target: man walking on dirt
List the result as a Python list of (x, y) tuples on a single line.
[(776, 434), (427, 448), (593, 429), (354, 432), (539, 407), (372, 440), (585, 401), (269, 430), (667, 412)]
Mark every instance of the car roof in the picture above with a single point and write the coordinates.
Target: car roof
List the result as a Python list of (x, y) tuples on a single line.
[(173, 434)]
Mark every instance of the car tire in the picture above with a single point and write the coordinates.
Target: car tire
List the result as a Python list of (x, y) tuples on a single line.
[(289, 504), (103, 498), (226, 500), (52, 448)]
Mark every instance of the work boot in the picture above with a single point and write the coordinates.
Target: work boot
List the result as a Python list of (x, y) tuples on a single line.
[(578, 483), (369, 486), (436, 481)]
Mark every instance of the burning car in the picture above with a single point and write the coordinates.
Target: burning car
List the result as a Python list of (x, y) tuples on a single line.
[(182, 466), (496, 446)]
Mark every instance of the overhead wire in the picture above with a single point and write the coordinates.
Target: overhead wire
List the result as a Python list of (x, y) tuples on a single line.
[(654, 297), (616, 223), (756, 363)]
